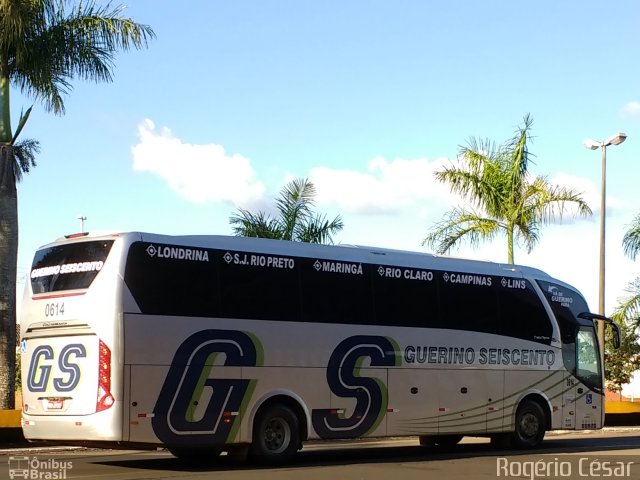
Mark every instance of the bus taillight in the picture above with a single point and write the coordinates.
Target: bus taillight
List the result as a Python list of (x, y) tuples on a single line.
[(105, 399)]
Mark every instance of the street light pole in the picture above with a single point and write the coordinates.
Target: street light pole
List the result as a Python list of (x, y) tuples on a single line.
[(601, 275), (82, 219), (616, 139)]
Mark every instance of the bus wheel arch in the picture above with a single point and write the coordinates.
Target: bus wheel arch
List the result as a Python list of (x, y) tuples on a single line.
[(279, 427), (532, 420)]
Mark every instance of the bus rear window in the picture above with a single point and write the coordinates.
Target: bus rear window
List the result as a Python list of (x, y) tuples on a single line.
[(68, 267)]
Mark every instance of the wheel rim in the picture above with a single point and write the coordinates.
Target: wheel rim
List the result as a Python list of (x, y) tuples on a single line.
[(276, 435), (529, 425)]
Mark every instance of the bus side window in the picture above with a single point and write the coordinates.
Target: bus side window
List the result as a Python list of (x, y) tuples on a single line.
[(256, 290), (336, 292), (406, 302), (471, 307), (522, 314)]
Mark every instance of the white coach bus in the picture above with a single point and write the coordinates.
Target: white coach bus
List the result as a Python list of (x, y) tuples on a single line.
[(204, 344)]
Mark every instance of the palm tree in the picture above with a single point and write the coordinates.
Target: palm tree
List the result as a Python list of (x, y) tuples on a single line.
[(629, 307), (631, 240), (504, 196), (296, 220), (44, 44)]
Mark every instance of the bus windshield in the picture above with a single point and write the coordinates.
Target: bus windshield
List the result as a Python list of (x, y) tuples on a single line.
[(587, 361)]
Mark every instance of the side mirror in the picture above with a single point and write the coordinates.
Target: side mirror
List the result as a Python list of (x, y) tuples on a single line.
[(616, 334), (608, 321)]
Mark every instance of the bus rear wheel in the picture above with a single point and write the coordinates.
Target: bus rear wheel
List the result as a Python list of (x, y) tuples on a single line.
[(276, 435), (530, 425)]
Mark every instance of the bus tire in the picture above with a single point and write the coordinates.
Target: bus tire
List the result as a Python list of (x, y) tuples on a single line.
[(448, 441), (530, 425), (276, 435)]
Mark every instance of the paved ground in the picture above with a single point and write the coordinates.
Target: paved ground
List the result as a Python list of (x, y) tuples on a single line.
[(576, 452), (19, 444)]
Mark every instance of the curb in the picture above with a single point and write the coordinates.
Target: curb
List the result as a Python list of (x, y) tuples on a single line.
[(11, 427), (10, 418)]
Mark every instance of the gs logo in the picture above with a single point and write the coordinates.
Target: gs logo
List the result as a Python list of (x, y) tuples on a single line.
[(344, 380), (188, 375), (43, 361), (174, 421)]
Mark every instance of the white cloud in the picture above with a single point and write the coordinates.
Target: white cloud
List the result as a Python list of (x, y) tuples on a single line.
[(199, 173), (632, 109), (385, 187), (396, 186), (590, 193)]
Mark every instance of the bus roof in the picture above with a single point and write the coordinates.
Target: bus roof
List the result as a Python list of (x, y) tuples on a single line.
[(347, 253)]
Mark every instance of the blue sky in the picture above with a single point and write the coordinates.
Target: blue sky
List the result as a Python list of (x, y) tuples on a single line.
[(367, 98)]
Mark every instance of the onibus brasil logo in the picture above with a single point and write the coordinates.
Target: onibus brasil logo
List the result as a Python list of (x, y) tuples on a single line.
[(36, 469)]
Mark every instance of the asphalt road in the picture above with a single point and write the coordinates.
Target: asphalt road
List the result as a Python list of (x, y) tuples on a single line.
[(613, 453)]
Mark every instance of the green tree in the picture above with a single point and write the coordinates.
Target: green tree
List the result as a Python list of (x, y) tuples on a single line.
[(44, 45), (621, 363), (296, 219), (629, 307), (631, 239), (504, 196)]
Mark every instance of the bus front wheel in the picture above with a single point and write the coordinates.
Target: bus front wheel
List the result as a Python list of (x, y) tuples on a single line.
[(276, 435), (530, 425)]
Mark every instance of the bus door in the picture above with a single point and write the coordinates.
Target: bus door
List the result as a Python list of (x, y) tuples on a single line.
[(465, 399), (582, 402), (413, 398), (589, 400)]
